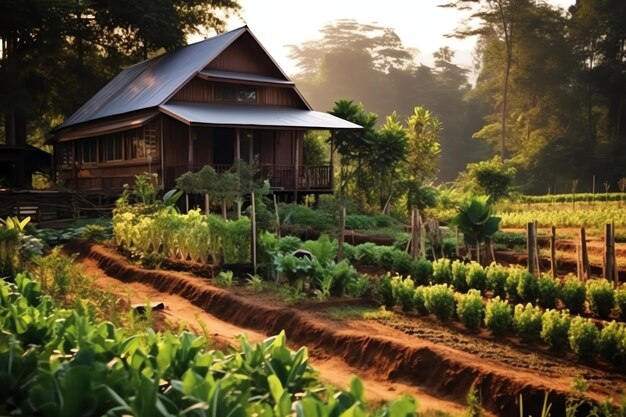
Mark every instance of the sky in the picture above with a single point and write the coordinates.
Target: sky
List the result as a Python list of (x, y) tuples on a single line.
[(419, 23)]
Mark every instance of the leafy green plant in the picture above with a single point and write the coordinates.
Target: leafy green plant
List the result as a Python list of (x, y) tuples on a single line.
[(224, 279), (439, 300), (289, 244), (323, 287), (386, 256), (601, 297), (359, 287), (512, 282), (476, 276), (555, 328), (459, 280), (403, 290), (573, 294), (620, 301), (419, 299), (527, 287), (583, 338), (496, 279), (152, 260), (498, 316), (527, 322), (367, 253), (442, 271), (344, 276), (383, 291), (255, 282), (324, 249), (471, 309), (612, 343), (402, 262), (95, 233), (548, 290), (422, 271)]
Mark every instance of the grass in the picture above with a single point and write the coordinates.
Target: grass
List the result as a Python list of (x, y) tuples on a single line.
[(353, 312)]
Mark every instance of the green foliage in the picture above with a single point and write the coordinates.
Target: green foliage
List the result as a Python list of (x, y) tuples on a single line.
[(549, 291), (527, 322), (475, 221), (365, 222), (403, 290), (442, 271), (493, 177), (459, 281), (601, 297), (476, 276), (323, 249), (471, 309), (367, 253), (583, 338), (289, 244), (255, 282), (95, 233), (224, 279), (527, 286), (315, 148), (402, 262), (419, 299), (497, 277), (509, 240), (385, 256), (573, 294), (298, 220), (555, 328), (512, 282), (383, 291), (440, 301), (344, 277), (620, 301), (498, 316), (359, 287), (422, 271), (612, 343)]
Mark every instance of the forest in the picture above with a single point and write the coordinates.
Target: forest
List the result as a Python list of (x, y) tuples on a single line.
[(548, 96)]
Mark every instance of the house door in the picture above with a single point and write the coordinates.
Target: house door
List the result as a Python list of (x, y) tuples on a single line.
[(223, 146)]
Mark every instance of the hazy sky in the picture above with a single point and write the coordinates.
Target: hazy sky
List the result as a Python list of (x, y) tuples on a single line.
[(419, 23)]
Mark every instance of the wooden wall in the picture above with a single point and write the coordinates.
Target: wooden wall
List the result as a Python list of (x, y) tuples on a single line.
[(245, 55)]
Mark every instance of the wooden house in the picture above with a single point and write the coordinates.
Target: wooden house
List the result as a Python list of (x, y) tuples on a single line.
[(208, 103)]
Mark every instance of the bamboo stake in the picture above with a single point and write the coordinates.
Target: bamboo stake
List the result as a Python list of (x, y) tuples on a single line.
[(537, 257), (609, 253), (586, 269)]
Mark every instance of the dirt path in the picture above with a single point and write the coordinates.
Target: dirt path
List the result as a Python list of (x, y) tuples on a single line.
[(418, 355), (179, 312)]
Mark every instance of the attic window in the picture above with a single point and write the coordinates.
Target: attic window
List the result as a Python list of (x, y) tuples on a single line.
[(235, 93)]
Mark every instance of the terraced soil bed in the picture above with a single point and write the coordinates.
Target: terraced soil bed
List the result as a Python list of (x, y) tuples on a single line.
[(442, 361)]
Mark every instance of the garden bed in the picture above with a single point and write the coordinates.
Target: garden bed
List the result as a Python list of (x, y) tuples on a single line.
[(444, 360)]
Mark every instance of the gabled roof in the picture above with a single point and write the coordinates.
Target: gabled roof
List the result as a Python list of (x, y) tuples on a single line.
[(150, 83)]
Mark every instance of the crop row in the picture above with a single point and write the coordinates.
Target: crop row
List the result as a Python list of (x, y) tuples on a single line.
[(564, 216), (59, 362)]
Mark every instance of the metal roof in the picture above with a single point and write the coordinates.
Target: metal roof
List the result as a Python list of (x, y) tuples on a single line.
[(150, 83), (253, 116), (242, 76), (107, 126)]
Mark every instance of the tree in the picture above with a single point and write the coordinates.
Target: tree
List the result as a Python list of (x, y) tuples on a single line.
[(475, 221), (493, 178)]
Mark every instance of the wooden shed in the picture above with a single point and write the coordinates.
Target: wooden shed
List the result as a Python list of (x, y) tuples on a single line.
[(209, 103)]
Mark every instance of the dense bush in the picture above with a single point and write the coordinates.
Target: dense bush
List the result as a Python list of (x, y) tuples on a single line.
[(527, 287), (549, 291), (344, 276), (573, 294), (440, 301), (382, 291), (583, 338), (442, 271), (496, 279), (476, 276), (402, 262), (422, 271), (620, 301), (365, 222), (367, 253), (612, 343), (419, 299), (349, 252), (527, 322), (510, 240), (403, 290), (498, 316), (297, 219), (512, 282), (459, 280), (289, 244), (601, 297), (555, 327), (471, 309)]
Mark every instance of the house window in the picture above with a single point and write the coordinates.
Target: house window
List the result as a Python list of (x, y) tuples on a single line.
[(64, 154), (89, 150), (113, 147), (235, 93), (142, 146), (149, 137)]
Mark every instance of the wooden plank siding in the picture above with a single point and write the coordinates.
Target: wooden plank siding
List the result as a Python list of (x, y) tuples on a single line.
[(202, 91), (245, 55)]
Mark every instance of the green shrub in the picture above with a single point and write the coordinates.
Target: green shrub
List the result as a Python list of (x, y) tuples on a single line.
[(527, 322), (386, 256), (224, 279), (620, 301), (360, 222), (512, 282), (419, 299), (403, 290), (289, 244), (498, 316), (344, 275), (549, 291), (459, 280), (440, 301), (573, 294), (601, 297), (324, 249), (349, 252), (367, 253), (359, 287), (422, 271), (612, 343), (510, 240), (402, 262), (555, 328), (471, 309), (476, 276), (382, 291), (97, 233), (583, 338), (496, 279), (527, 287), (301, 219), (442, 271)]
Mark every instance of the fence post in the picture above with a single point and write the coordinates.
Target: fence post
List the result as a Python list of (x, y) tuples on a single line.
[(277, 217), (586, 269), (342, 231), (537, 257), (609, 253), (531, 243), (553, 252)]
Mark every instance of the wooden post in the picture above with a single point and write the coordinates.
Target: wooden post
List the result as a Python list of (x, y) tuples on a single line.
[(537, 257), (414, 234), (297, 168), (609, 253), (206, 204), (553, 266), (253, 249), (531, 242), (186, 203), (422, 234), (586, 268), (579, 269), (342, 231), (277, 217)]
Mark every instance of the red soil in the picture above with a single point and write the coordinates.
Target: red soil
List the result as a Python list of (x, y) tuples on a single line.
[(420, 356)]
